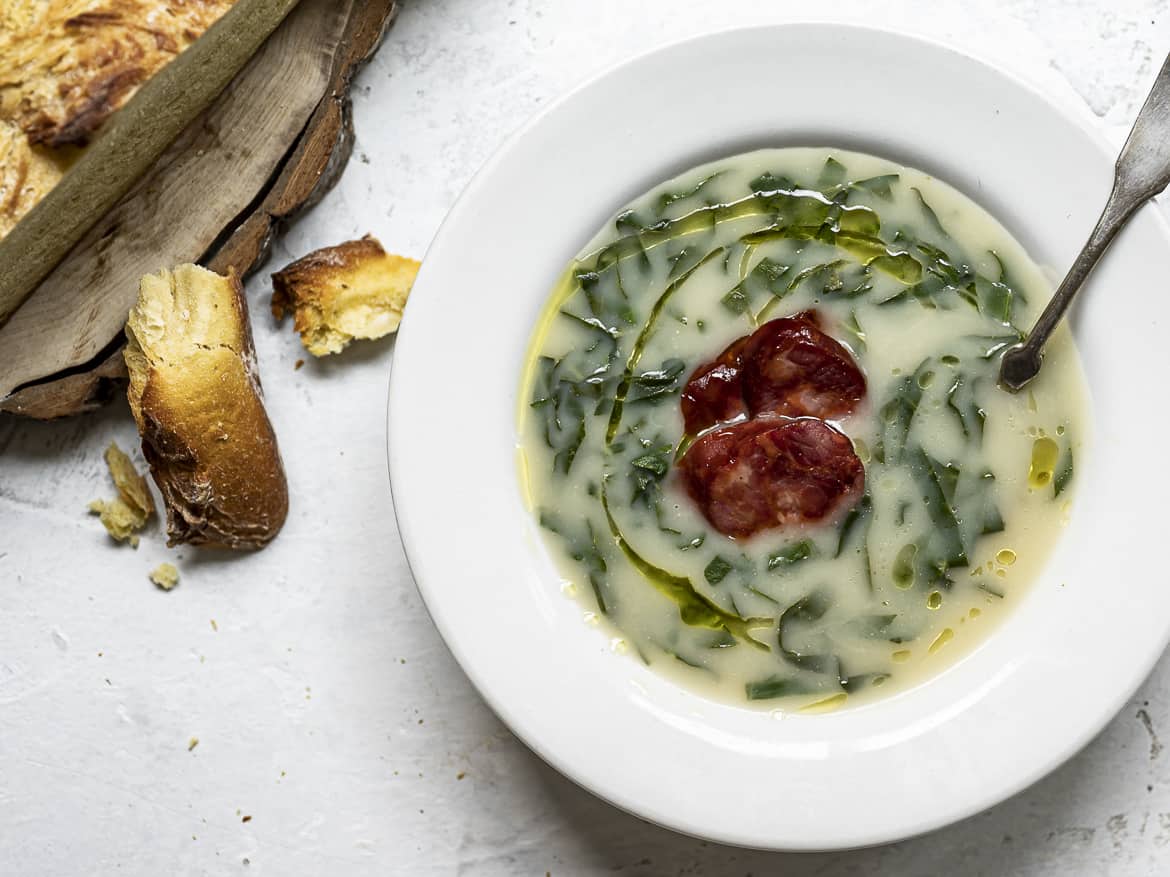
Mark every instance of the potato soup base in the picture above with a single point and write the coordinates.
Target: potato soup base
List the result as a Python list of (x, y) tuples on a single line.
[(926, 290)]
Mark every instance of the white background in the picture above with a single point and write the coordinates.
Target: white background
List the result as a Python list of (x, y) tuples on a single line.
[(325, 706)]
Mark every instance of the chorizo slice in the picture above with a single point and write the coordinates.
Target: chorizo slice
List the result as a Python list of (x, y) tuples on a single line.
[(789, 366), (713, 393), (771, 472)]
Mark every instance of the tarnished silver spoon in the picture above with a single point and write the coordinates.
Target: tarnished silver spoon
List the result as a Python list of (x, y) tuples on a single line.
[(1142, 171)]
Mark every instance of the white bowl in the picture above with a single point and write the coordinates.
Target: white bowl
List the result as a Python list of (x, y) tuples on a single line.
[(1030, 696)]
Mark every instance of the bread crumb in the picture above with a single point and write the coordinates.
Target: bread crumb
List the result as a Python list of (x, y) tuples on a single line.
[(192, 743), (337, 294), (246, 819), (165, 575), (119, 519), (297, 365), (214, 626), (130, 482), (127, 513)]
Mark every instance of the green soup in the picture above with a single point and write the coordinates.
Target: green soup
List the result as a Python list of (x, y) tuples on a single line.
[(966, 487)]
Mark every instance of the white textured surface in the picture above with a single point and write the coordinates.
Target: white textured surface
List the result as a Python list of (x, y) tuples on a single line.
[(325, 706)]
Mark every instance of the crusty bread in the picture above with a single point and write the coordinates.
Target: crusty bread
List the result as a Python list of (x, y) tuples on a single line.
[(27, 173), (337, 294), (196, 396), (65, 65)]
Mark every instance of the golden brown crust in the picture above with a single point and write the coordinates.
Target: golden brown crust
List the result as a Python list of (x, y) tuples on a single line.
[(196, 397), (65, 65), (336, 294), (27, 173)]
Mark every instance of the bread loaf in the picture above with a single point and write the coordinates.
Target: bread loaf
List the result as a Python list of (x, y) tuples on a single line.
[(195, 394)]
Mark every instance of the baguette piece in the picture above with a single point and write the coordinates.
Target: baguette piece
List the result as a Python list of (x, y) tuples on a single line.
[(196, 397), (336, 294)]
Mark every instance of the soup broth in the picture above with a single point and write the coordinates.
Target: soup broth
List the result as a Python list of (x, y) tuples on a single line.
[(948, 503)]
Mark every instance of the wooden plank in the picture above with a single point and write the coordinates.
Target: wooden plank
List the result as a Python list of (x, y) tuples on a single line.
[(321, 153)]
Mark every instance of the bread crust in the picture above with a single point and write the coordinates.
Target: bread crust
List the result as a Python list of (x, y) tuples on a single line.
[(195, 394), (27, 173), (66, 65), (337, 294)]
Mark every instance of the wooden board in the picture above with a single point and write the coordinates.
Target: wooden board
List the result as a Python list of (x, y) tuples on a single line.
[(272, 144)]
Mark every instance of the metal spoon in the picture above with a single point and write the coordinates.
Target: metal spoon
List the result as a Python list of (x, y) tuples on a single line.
[(1142, 171)]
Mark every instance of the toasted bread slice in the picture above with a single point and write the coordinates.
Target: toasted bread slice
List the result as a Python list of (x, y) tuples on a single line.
[(195, 394)]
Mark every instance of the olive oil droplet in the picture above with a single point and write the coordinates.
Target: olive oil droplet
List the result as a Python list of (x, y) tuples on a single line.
[(1044, 454), (941, 640), (903, 572), (826, 705), (934, 600), (1005, 557)]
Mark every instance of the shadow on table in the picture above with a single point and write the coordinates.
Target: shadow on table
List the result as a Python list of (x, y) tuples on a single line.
[(49, 440), (1031, 832)]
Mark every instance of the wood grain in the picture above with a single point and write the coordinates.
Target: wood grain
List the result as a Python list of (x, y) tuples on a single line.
[(73, 393), (321, 152)]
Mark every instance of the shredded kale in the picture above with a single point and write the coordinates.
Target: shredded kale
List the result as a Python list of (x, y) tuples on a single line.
[(1064, 474), (716, 570), (791, 555)]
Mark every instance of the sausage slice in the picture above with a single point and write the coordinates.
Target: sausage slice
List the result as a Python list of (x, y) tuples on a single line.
[(790, 367), (771, 472)]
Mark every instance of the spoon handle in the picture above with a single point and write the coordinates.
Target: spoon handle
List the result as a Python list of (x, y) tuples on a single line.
[(1142, 171)]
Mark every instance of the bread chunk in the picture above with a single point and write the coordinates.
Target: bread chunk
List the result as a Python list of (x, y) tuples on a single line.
[(196, 396), (337, 294)]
